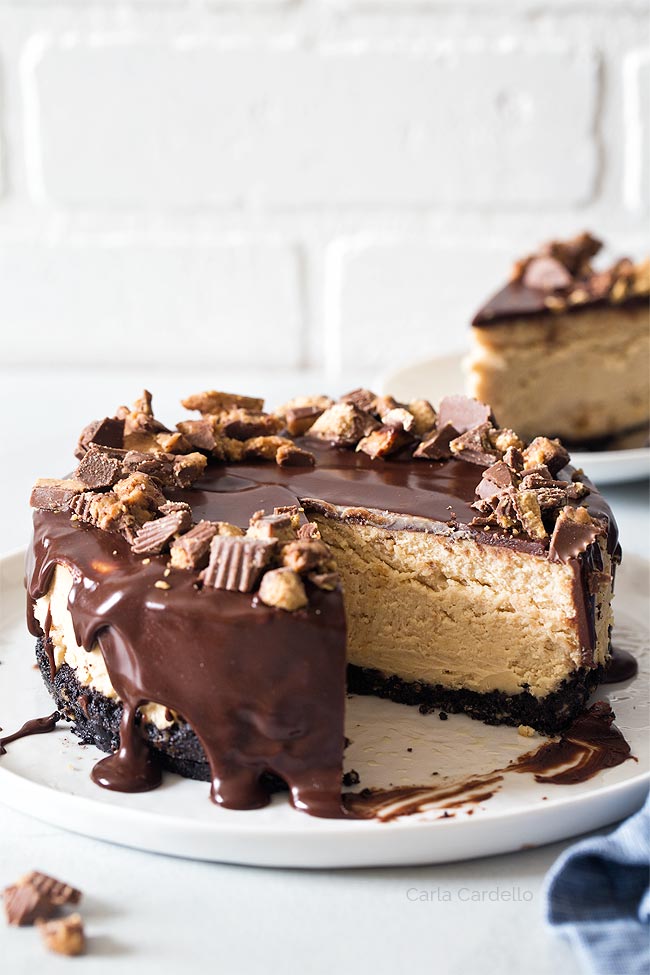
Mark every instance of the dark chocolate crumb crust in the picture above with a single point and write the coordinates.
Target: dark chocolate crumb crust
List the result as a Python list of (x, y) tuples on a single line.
[(547, 715), (96, 718)]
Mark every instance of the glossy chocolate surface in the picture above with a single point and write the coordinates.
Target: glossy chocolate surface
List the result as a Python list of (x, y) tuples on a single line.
[(516, 300), (622, 666)]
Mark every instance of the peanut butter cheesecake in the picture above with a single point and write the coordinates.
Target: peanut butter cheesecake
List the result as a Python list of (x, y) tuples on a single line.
[(199, 594), (562, 349)]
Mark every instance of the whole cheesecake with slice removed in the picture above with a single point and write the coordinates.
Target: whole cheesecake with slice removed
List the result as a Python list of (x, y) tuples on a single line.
[(562, 349), (199, 594)]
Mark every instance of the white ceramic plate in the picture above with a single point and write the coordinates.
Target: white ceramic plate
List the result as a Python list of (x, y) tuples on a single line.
[(48, 776), (434, 378)]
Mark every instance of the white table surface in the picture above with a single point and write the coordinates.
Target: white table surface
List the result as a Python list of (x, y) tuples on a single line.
[(153, 914)]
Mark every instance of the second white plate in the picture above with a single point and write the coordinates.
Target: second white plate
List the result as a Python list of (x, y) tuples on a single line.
[(434, 378)]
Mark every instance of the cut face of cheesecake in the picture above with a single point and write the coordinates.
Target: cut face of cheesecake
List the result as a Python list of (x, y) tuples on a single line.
[(464, 626), (210, 599), (562, 350)]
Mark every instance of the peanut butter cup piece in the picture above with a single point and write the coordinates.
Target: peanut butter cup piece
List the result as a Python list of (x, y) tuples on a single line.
[(551, 498), (154, 537), (298, 413), (575, 254), (64, 936), (100, 467), (464, 413), (236, 564), (306, 555), (264, 448), (212, 401), (364, 399), (188, 468), (295, 512), (108, 432), (425, 417), (382, 442), (140, 425), (243, 424), (399, 418), (547, 274), (529, 513), (575, 530), (279, 525), (203, 434), (104, 511), (436, 445), (514, 458), (54, 494), (173, 443), (158, 466), (474, 446), (191, 550), (343, 425), (57, 891), (292, 456), (140, 494), (503, 440), (24, 904), (550, 453), (284, 589), (496, 479), (384, 405), (299, 419)]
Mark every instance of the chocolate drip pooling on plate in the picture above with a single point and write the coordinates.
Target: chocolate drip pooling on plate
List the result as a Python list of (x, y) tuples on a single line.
[(621, 666), (591, 743), (36, 726), (134, 767)]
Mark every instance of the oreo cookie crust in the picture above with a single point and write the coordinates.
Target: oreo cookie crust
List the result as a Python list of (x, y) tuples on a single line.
[(548, 715)]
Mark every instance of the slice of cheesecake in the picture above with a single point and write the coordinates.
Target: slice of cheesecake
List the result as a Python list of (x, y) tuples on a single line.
[(562, 350)]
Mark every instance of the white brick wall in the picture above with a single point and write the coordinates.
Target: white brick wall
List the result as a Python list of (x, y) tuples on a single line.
[(637, 114), (397, 288), (316, 183), (202, 126)]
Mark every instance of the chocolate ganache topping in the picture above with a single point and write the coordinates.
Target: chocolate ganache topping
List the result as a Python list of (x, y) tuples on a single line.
[(198, 574), (560, 278)]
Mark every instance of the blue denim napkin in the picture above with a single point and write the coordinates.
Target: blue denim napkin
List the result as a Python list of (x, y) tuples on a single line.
[(598, 896)]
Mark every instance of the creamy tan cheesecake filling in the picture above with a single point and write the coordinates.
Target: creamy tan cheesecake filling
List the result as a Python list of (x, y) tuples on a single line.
[(454, 612), (88, 664), (422, 607), (579, 376)]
